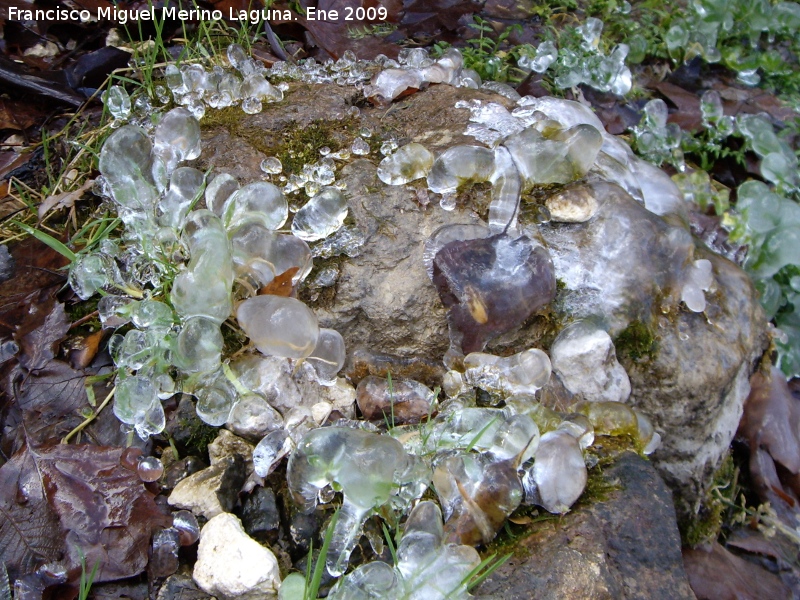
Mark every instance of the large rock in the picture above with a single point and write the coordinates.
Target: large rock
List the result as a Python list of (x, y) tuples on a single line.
[(230, 564), (622, 547), (625, 266)]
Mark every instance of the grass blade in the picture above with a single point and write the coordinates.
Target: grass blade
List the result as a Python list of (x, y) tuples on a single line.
[(48, 239)]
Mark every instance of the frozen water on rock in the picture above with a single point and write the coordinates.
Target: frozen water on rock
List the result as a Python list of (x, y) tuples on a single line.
[(259, 202), (328, 356), (506, 190), (252, 417), (410, 162), (198, 346), (391, 83), (698, 279), (522, 373), (279, 326), (216, 396), (559, 157), (150, 469), (460, 165), (271, 165), (262, 254), (222, 187), (476, 495), (446, 234), (558, 475), (360, 147), (204, 288), (271, 450), (177, 138), (369, 469), (501, 88), (584, 357), (616, 418), (399, 403), (186, 524), (321, 216)]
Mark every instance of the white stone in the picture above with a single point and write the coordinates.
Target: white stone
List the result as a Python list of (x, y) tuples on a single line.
[(198, 492), (230, 564), (583, 355)]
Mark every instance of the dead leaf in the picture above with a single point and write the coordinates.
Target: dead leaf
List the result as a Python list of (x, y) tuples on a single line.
[(109, 514), (63, 200), (716, 574), (51, 400), (688, 115), (281, 285), (40, 344), (29, 530), (83, 352)]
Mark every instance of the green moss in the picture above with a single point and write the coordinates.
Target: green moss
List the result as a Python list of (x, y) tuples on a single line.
[(200, 436), (707, 524), (636, 342)]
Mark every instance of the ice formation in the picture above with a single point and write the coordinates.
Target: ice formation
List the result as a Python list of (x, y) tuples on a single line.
[(482, 461)]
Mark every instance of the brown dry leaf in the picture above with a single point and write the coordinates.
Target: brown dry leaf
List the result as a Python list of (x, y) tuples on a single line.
[(688, 115), (716, 574), (82, 354), (281, 285), (29, 530), (770, 425), (10, 160), (106, 509), (18, 115), (40, 335), (63, 200)]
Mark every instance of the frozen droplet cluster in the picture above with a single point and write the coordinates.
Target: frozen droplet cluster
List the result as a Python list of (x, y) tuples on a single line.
[(584, 64), (184, 268)]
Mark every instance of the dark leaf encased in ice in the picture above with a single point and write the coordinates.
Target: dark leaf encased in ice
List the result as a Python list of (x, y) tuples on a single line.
[(491, 286)]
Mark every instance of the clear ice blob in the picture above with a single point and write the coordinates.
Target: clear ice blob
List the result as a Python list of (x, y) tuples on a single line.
[(369, 469), (279, 326), (150, 469), (259, 202), (90, 273), (188, 528), (328, 356), (321, 216), (222, 187), (458, 166), (410, 162), (198, 347), (401, 402), (522, 373), (126, 164), (177, 137), (118, 102), (558, 475)]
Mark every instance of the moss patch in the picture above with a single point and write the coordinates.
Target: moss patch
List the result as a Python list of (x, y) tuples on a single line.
[(636, 342), (707, 524)]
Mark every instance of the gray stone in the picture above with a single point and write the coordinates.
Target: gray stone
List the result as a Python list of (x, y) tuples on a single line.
[(213, 490), (230, 564), (622, 547), (583, 355), (625, 264)]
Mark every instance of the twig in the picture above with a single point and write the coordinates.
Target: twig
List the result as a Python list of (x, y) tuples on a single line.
[(90, 418)]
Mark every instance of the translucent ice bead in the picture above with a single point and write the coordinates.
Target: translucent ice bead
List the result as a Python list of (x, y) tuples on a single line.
[(126, 164), (711, 107), (184, 187), (259, 202), (590, 32), (359, 147), (222, 187), (261, 254), (328, 356), (460, 165), (522, 373), (546, 55), (321, 216), (279, 326), (89, 273), (410, 162), (177, 137), (174, 79), (698, 278), (215, 398), (198, 347), (558, 476), (118, 102), (152, 314), (133, 397), (271, 165)]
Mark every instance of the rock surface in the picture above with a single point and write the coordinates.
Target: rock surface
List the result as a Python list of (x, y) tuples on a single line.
[(623, 547), (230, 564), (213, 490), (625, 265)]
